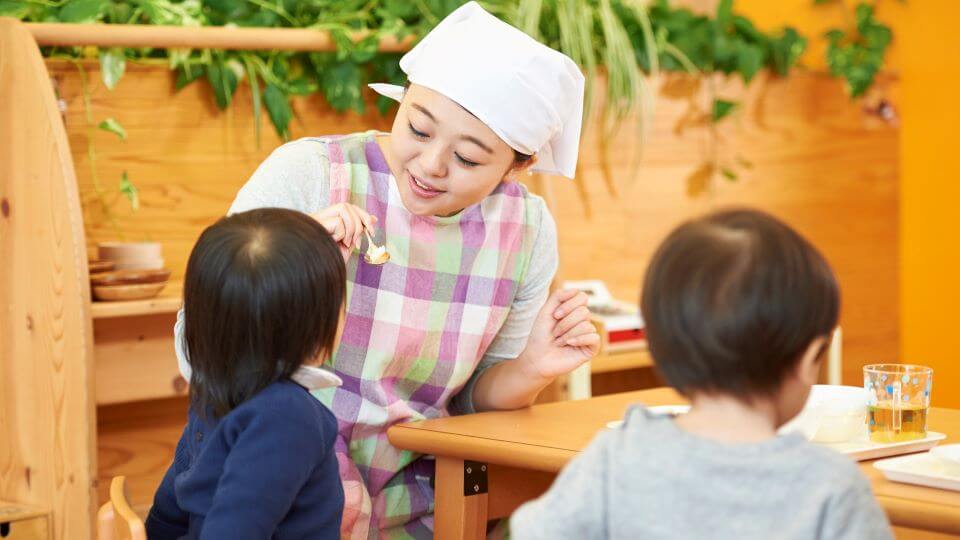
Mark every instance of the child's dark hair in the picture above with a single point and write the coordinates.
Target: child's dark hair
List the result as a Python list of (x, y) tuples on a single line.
[(732, 300), (263, 292)]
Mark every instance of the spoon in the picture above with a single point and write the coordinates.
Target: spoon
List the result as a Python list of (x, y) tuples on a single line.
[(375, 254)]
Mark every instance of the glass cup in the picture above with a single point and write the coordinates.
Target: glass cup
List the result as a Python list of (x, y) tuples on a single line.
[(898, 401)]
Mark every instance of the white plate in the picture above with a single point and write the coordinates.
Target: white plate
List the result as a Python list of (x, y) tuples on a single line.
[(672, 410), (921, 469), (865, 449)]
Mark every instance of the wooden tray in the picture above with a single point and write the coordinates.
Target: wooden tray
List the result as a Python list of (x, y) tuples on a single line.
[(131, 277), (139, 291)]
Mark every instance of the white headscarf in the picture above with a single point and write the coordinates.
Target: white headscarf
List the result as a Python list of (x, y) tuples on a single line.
[(530, 95)]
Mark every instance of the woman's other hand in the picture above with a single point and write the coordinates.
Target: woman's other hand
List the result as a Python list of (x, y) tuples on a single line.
[(562, 337)]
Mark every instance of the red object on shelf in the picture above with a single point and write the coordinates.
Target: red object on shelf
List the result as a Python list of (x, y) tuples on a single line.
[(632, 334)]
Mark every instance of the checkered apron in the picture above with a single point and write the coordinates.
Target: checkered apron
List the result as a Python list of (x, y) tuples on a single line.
[(415, 330)]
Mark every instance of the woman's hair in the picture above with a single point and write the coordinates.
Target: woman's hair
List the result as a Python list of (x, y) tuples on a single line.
[(732, 300), (263, 293)]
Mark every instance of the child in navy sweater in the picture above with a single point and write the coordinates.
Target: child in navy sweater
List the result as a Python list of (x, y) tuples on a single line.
[(263, 304)]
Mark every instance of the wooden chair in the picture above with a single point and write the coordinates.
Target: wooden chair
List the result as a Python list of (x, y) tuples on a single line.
[(116, 519)]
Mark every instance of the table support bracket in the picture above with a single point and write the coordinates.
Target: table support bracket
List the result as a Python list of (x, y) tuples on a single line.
[(474, 478)]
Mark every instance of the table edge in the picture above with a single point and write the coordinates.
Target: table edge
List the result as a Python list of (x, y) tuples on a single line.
[(525, 456)]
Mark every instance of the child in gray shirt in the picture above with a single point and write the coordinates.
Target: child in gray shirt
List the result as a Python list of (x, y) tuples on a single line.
[(738, 309)]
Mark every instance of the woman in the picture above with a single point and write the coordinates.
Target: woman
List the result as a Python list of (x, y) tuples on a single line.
[(459, 319)]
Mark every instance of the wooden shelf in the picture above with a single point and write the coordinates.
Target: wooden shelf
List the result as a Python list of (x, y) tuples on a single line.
[(619, 361), (168, 301)]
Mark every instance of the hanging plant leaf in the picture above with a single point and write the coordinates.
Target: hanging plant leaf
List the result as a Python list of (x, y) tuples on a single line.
[(14, 8), (130, 191), (729, 174), (722, 108), (224, 83), (278, 107), (785, 50), (749, 61), (187, 74), (699, 179), (858, 59), (111, 125), (724, 14), (82, 11), (113, 62), (340, 82)]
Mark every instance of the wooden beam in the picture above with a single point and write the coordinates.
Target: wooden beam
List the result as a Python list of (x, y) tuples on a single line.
[(206, 37)]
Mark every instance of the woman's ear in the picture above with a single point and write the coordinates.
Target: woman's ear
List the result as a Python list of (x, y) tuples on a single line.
[(513, 174)]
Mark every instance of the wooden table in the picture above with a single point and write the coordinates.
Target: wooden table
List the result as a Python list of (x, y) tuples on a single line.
[(490, 463)]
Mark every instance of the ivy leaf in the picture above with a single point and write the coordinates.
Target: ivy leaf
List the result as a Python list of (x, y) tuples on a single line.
[(113, 62), (340, 83), (278, 107), (699, 180), (749, 61), (366, 49), (187, 74), (111, 125), (82, 11), (14, 8), (302, 87), (130, 191), (724, 14), (722, 108), (224, 83), (786, 50), (343, 42)]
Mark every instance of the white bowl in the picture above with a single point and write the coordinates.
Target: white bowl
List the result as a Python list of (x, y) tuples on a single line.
[(832, 414)]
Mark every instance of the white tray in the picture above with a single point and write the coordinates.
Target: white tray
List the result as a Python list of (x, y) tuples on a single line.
[(860, 450), (921, 469), (865, 449)]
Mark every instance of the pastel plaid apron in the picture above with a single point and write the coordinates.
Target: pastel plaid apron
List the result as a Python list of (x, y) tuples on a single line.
[(415, 330)]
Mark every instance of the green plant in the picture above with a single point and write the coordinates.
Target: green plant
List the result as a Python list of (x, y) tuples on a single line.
[(857, 54), (623, 39), (125, 188)]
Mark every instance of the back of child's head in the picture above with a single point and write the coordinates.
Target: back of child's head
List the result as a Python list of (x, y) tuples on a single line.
[(263, 293), (732, 301)]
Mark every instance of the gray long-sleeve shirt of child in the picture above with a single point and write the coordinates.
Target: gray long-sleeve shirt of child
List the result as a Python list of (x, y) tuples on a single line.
[(651, 480)]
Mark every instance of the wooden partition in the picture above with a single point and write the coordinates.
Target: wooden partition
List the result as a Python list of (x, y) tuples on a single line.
[(47, 416)]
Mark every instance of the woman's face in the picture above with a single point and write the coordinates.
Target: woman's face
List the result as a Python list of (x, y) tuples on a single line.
[(443, 157)]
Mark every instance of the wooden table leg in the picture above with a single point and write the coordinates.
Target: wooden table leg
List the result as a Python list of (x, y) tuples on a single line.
[(461, 500)]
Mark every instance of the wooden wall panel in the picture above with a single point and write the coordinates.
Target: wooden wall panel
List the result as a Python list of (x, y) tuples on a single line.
[(818, 162)]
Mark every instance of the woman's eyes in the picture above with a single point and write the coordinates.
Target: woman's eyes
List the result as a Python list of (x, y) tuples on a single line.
[(421, 135), (417, 133), (466, 162)]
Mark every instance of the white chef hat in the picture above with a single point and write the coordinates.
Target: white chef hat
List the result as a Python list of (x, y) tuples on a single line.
[(527, 93)]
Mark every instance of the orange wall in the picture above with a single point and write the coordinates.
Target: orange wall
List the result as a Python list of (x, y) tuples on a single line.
[(926, 56)]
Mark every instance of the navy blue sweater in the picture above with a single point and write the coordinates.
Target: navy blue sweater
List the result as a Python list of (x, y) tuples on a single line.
[(266, 469)]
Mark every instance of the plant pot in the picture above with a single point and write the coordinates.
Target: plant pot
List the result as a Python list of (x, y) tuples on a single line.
[(131, 255)]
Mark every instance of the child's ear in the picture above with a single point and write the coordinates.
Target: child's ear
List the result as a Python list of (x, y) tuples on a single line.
[(514, 173), (808, 369)]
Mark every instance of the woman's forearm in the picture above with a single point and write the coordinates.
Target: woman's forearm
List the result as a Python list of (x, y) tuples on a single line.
[(508, 385)]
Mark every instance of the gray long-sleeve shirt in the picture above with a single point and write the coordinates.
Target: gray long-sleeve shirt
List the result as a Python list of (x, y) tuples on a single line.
[(652, 480), (296, 176)]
